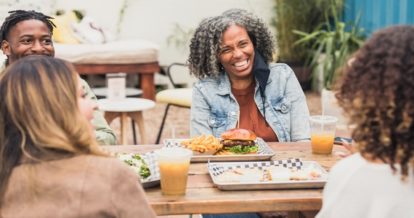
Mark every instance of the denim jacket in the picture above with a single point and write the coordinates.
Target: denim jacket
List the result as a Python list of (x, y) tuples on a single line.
[(214, 108)]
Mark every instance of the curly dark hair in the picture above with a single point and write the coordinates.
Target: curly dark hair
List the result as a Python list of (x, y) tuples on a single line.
[(205, 44), (377, 93)]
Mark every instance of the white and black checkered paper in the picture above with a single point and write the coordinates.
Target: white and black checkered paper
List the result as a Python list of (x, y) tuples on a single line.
[(216, 169), (151, 161)]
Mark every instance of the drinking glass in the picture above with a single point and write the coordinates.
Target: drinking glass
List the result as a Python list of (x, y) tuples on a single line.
[(173, 163), (322, 133)]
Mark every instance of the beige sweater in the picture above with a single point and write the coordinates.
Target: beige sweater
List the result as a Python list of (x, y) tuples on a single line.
[(82, 186)]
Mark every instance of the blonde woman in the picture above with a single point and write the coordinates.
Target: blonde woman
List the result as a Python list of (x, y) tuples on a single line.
[(50, 163)]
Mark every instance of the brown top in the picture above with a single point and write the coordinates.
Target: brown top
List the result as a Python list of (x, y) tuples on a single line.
[(250, 116), (81, 186)]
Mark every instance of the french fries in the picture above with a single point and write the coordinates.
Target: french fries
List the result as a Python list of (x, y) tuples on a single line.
[(203, 144)]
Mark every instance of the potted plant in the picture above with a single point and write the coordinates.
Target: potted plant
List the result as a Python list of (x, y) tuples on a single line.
[(331, 43), (302, 15)]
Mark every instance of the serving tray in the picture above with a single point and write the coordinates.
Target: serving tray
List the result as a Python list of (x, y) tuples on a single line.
[(218, 168), (151, 161), (264, 152)]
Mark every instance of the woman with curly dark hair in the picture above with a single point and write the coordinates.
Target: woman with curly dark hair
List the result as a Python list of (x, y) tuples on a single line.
[(231, 54), (377, 93)]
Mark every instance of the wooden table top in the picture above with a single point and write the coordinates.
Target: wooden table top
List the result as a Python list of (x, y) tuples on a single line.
[(202, 197)]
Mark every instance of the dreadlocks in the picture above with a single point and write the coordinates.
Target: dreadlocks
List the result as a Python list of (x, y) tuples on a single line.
[(22, 15)]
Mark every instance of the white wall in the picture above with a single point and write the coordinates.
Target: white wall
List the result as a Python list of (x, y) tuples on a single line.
[(148, 19), (153, 20)]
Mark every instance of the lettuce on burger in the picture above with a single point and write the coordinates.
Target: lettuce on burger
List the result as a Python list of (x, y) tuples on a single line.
[(239, 141)]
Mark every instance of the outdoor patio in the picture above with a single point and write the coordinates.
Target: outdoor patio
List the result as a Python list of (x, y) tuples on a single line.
[(359, 155)]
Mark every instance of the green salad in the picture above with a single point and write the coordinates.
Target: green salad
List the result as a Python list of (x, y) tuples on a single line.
[(137, 164)]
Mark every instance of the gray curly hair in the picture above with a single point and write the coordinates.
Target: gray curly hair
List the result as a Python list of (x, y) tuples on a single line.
[(205, 44)]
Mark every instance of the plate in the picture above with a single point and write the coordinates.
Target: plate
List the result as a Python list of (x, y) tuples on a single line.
[(286, 174), (150, 160), (264, 152)]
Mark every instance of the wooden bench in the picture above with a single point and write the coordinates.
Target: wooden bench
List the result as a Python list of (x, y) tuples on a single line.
[(128, 56)]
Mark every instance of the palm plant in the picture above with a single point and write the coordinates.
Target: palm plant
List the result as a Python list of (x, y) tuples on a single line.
[(302, 15), (331, 45)]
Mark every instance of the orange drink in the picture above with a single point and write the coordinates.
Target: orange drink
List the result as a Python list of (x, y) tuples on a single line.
[(173, 178), (173, 165), (322, 143), (322, 133)]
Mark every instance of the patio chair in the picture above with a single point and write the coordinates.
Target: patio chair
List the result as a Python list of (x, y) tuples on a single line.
[(179, 97)]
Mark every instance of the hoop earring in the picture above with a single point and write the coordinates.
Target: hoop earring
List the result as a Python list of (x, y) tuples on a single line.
[(221, 68)]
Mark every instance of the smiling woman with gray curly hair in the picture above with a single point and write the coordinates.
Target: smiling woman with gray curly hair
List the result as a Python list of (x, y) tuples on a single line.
[(231, 54), (205, 45)]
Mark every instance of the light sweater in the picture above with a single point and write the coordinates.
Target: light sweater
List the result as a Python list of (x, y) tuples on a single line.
[(358, 188), (80, 186)]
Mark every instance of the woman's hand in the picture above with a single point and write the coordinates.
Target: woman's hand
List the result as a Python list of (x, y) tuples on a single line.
[(349, 147)]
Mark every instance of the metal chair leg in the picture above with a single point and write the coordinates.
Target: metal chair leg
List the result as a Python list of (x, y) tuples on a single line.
[(162, 124), (134, 135)]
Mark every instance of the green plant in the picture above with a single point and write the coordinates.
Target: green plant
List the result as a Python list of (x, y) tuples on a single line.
[(331, 45), (180, 36), (302, 15), (121, 17)]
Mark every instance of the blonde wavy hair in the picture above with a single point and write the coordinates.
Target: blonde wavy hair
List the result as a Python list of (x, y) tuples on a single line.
[(39, 115)]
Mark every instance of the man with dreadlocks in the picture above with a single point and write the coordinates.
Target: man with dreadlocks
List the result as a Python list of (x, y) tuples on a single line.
[(25, 33)]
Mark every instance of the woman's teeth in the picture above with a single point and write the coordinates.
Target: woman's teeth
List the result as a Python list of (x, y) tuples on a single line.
[(241, 63)]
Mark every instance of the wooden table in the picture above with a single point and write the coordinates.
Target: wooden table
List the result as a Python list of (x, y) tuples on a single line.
[(203, 197), (127, 107)]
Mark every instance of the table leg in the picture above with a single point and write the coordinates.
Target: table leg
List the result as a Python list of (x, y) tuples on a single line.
[(124, 122), (301, 214), (139, 119), (110, 116), (146, 82), (294, 214)]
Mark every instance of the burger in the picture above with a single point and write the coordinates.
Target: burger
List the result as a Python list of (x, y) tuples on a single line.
[(239, 141)]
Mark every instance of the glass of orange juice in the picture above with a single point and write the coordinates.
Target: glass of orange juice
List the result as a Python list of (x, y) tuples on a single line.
[(322, 133), (173, 164)]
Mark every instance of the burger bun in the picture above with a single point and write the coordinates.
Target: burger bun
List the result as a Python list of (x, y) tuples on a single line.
[(238, 134)]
